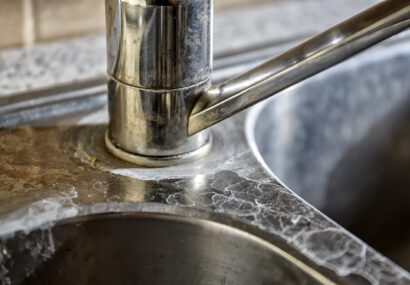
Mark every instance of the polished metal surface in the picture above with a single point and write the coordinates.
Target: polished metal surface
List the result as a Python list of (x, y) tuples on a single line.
[(135, 27), (167, 249), (137, 114), (311, 57), (342, 142), (159, 62), (157, 161), (159, 44)]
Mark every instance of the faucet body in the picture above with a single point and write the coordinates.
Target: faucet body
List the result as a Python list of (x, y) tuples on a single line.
[(161, 100), (159, 63)]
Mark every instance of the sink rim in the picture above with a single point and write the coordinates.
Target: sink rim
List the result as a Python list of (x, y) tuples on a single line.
[(218, 223), (390, 51)]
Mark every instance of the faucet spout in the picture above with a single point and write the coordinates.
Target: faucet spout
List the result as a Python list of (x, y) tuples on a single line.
[(311, 57), (159, 54)]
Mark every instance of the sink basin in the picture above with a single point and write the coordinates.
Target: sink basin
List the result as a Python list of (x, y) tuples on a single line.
[(341, 140), (138, 248)]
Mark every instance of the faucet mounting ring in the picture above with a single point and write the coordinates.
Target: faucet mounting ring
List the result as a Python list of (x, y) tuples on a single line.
[(157, 161)]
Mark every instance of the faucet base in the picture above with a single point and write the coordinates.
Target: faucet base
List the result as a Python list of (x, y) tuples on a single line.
[(157, 161)]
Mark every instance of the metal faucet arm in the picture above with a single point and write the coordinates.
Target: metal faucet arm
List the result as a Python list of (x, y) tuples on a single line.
[(161, 101), (311, 57)]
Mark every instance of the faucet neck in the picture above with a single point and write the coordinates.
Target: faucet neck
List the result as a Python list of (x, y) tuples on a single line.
[(159, 63)]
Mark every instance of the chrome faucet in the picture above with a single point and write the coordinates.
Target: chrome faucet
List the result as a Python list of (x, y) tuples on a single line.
[(161, 101)]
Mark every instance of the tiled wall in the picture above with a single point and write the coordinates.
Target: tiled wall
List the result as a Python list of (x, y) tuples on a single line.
[(28, 21), (11, 19)]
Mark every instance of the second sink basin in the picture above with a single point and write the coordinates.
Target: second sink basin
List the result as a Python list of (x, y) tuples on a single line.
[(341, 140)]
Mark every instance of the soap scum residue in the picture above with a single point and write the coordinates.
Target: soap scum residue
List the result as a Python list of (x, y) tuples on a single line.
[(42, 215)]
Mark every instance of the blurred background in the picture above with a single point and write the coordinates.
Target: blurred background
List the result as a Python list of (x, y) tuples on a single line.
[(47, 43), (28, 21)]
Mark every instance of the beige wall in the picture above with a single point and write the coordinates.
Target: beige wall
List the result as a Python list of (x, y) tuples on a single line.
[(27, 21), (11, 17)]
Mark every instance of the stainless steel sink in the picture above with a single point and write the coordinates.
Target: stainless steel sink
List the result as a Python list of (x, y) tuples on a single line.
[(342, 142), (138, 248), (228, 220)]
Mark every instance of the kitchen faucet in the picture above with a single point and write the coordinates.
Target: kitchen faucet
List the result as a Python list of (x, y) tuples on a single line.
[(161, 100), (66, 196)]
